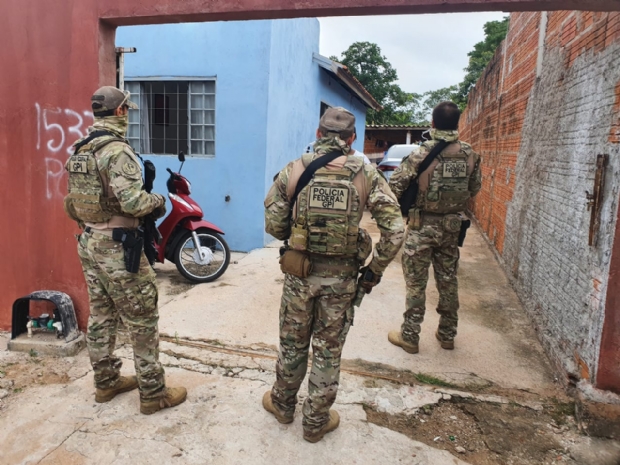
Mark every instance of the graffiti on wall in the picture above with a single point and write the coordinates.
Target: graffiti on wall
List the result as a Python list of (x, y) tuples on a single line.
[(57, 129)]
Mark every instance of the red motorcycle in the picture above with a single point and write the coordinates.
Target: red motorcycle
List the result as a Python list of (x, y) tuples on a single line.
[(194, 245)]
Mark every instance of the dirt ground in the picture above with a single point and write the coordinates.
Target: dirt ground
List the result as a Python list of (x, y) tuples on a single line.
[(485, 433), (526, 431), (24, 370)]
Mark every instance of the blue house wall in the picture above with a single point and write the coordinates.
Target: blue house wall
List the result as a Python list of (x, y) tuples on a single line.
[(268, 94)]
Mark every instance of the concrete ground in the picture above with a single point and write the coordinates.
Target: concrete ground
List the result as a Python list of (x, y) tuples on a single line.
[(492, 400), (495, 343)]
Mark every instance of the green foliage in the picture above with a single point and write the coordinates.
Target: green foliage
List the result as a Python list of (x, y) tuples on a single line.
[(432, 380), (434, 97), (365, 61), (480, 56)]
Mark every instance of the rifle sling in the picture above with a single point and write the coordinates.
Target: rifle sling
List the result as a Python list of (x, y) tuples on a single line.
[(430, 158), (93, 135), (312, 168), (409, 196)]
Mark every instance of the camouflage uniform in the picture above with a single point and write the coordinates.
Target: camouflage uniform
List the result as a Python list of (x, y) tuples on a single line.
[(431, 242), (114, 292), (319, 308)]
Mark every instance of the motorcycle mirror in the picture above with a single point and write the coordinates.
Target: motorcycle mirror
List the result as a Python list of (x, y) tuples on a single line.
[(181, 156)]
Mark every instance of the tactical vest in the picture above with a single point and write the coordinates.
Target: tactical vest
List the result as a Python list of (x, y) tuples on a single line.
[(329, 211), (86, 192), (448, 190)]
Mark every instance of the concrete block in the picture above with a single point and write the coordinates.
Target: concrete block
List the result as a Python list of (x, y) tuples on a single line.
[(47, 344)]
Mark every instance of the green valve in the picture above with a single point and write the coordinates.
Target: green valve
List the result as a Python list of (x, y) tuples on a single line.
[(35, 323), (50, 324)]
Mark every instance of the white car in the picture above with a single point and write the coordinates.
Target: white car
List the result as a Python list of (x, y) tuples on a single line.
[(394, 157)]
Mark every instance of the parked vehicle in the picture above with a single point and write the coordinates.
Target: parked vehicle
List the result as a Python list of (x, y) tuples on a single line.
[(194, 245), (394, 157)]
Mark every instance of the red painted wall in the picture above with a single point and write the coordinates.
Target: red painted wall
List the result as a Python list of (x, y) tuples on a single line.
[(49, 68), (54, 56)]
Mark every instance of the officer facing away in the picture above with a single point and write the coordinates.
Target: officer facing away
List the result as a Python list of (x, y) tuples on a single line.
[(321, 265), (434, 224), (106, 199)]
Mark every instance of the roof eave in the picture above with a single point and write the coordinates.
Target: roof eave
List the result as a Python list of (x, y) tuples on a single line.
[(346, 78), (359, 90), (403, 128)]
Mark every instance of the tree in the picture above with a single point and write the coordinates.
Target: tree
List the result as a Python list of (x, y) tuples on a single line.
[(365, 62), (433, 97), (480, 56)]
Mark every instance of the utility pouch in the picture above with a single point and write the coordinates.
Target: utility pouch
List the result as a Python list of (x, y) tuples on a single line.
[(299, 238), (415, 219), (452, 223), (364, 246), (295, 263), (132, 246)]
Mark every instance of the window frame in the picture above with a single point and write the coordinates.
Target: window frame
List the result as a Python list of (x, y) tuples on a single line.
[(190, 80)]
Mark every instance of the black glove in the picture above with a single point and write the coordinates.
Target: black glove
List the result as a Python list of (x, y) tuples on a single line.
[(368, 279)]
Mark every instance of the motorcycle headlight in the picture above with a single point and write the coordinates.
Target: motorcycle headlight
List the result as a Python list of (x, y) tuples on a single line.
[(181, 201), (189, 187)]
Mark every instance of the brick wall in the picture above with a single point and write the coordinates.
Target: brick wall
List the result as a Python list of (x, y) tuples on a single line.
[(372, 145), (539, 130)]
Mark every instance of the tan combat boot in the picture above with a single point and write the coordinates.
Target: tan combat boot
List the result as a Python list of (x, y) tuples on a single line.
[(124, 384), (171, 398), (268, 405), (396, 338), (448, 345), (332, 424)]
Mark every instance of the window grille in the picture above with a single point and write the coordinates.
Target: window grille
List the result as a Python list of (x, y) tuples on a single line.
[(173, 116)]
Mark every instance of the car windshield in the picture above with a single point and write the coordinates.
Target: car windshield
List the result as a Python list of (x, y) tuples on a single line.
[(399, 151)]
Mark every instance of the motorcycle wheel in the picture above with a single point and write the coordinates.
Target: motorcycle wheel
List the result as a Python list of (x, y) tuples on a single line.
[(191, 265)]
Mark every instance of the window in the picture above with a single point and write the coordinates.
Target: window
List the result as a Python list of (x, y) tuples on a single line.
[(173, 116)]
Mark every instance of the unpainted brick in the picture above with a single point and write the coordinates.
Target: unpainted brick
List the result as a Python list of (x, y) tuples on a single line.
[(547, 131)]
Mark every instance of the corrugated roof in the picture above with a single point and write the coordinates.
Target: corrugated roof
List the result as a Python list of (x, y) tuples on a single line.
[(344, 76), (397, 126)]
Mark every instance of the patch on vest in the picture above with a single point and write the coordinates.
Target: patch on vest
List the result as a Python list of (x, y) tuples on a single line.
[(333, 198), (130, 168), (78, 164), (455, 169)]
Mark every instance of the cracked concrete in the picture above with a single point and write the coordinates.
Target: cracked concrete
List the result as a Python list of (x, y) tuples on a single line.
[(222, 345), (222, 422), (496, 345)]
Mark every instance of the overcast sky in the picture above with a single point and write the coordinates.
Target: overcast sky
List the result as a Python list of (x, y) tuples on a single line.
[(427, 51)]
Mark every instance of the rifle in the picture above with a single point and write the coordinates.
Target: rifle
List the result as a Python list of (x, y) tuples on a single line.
[(409, 197), (151, 233)]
